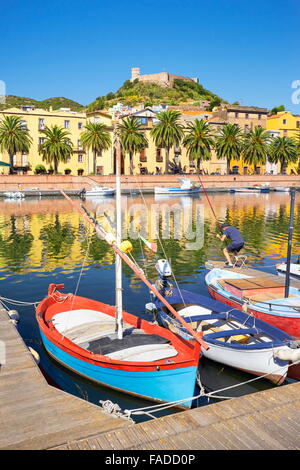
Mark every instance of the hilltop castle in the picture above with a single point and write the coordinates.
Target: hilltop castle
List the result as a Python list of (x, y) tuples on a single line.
[(164, 79)]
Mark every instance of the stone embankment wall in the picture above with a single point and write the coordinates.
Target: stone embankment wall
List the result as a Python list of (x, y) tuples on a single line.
[(48, 182)]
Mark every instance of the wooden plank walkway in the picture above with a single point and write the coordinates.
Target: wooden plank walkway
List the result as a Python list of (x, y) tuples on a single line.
[(34, 415), (268, 420)]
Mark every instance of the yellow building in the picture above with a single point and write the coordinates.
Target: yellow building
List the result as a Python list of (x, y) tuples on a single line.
[(36, 120), (285, 124)]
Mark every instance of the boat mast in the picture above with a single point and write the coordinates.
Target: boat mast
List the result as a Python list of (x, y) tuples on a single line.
[(289, 251), (118, 262)]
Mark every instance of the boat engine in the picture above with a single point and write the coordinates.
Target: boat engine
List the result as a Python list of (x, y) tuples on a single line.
[(164, 271)]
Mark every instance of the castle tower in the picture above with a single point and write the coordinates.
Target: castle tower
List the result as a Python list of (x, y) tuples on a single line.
[(135, 73)]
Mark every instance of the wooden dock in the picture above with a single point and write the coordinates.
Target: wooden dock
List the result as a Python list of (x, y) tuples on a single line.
[(34, 415), (268, 420)]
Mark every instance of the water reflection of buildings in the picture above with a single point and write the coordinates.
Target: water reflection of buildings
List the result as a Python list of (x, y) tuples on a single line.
[(57, 237)]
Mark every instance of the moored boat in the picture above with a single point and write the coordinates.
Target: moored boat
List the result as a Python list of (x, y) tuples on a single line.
[(148, 361), (294, 269), (235, 338), (187, 186), (97, 191), (260, 296)]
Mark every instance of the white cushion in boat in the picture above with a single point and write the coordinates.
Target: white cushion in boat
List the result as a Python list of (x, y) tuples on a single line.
[(73, 318), (144, 353), (194, 310)]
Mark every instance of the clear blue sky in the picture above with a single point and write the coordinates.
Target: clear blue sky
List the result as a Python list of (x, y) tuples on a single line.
[(242, 50)]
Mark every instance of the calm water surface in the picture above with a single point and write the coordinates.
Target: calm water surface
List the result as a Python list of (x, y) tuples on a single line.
[(44, 241)]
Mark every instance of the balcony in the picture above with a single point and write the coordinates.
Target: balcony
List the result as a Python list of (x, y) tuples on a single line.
[(79, 149)]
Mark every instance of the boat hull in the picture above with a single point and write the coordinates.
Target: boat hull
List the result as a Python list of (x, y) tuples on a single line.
[(162, 380), (290, 325), (162, 386), (162, 190), (258, 360)]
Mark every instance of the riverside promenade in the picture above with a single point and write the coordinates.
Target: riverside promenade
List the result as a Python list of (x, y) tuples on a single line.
[(51, 183), (35, 415)]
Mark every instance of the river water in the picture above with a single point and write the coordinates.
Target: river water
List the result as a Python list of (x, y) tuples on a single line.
[(45, 240)]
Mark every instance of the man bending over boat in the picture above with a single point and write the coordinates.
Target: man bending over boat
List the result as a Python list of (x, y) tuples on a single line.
[(237, 242)]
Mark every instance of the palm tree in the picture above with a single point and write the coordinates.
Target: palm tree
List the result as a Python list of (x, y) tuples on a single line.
[(255, 146), (199, 141), (228, 143), (13, 138), (283, 150), (57, 146), (168, 132), (297, 140), (96, 137), (132, 138)]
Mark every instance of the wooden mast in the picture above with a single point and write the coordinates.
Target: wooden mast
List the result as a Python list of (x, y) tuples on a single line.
[(118, 259)]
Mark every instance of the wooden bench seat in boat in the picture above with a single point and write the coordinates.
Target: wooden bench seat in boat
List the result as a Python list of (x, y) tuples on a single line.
[(248, 287), (95, 331)]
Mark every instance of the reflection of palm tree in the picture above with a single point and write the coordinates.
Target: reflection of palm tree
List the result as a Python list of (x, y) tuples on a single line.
[(57, 237), (97, 249), (16, 247)]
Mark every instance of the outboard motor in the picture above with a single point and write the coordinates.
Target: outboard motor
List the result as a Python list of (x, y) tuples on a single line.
[(164, 271), (162, 284)]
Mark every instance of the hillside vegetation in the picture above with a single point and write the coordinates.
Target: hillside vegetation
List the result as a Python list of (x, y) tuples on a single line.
[(56, 103), (133, 93)]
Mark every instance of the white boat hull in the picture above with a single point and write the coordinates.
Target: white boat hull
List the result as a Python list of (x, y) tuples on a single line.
[(256, 362), (162, 190), (294, 269)]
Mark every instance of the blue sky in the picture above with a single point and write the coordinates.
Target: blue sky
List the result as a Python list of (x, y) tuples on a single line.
[(245, 51)]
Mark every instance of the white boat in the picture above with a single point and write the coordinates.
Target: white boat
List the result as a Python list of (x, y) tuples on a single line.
[(14, 194), (97, 191), (187, 186), (282, 189), (294, 269), (235, 338)]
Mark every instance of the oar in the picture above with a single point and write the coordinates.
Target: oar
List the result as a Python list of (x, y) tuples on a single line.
[(109, 239)]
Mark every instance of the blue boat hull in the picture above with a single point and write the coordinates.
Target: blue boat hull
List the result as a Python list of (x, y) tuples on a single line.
[(160, 385)]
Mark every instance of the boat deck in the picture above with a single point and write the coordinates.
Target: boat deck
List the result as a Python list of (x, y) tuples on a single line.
[(269, 278)]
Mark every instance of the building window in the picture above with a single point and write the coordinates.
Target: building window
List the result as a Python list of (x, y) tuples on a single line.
[(41, 140), (41, 124), (285, 133), (79, 144), (259, 117), (247, 116), (67, 124), (283, 121), (143, 157), (143, 120), (23, 124), (246, 128), (298, 124), (236, 115), (80, 158), (159, 157), (80, 125)]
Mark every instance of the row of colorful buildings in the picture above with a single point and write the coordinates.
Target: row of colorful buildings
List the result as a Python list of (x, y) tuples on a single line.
[(152, 159)]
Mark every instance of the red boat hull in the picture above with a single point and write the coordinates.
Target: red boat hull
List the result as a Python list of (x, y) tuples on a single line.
[(287, 324)]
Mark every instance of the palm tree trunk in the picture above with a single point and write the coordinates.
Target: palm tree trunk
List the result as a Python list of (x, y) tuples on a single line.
[(55, 166), (95, 163), (11, 163), (198, 165), (131, 163), (228, 166), (167, 160)]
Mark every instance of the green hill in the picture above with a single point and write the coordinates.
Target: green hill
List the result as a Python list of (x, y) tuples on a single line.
[(56, 103), (133, 93)]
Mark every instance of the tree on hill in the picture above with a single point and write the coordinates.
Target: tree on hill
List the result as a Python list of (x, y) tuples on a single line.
[(199, 141), (132, 138), (277, 109), (228, 144), (57, 146), (14, 138), (168, 132), (96, 137)]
